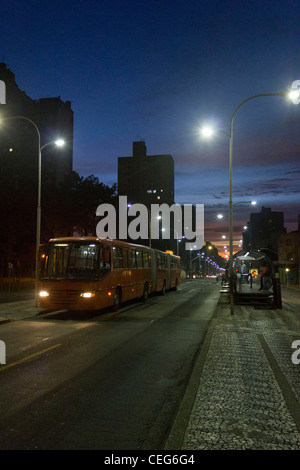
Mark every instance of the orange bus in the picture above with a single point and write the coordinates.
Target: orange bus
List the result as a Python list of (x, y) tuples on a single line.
[(89, 273)]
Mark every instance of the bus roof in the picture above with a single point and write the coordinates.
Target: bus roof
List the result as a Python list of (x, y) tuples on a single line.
[(91, 239)]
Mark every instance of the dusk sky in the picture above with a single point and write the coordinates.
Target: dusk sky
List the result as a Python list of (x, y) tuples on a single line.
[(158, 70)]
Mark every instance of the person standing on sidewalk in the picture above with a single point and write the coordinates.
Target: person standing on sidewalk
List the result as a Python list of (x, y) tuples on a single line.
[(264, 277)]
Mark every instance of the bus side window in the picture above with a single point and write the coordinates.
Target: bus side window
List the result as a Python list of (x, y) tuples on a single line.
[(132, 259), (139, 259), (125, 258), (146, 259), (118, 259), (106, 257)]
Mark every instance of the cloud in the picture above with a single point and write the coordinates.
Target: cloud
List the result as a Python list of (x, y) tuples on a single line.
[(292, 172)]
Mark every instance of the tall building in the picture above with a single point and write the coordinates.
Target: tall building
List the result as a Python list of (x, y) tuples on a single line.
[(52, 118), (289, 257), (147, 179), (263, 232)]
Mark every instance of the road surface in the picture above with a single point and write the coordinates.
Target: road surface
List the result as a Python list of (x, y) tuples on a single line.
[(110, 381)]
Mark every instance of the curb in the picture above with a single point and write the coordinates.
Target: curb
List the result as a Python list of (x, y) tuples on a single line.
[(5, 320), (177, 433)]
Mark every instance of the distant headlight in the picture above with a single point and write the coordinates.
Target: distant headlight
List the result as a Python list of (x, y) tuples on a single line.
[(44, 293), (87, 295)]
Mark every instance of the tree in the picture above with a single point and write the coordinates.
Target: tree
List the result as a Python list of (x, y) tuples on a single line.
[(72, 208)]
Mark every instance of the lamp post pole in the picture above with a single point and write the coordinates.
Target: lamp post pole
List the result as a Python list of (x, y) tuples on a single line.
[(294, 96), (38, 211), (177, 239), (230, 192)]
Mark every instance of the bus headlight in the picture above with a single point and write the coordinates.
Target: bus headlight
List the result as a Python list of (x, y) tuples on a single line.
[(44, 293), (87, 295)]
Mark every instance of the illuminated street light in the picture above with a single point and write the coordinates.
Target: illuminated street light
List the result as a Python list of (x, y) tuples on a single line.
[(253, 203), (159, 217), (59, 143), (178, 240), (294, 95), (207, 131)]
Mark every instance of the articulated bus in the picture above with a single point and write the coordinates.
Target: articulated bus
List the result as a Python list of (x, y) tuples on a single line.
[(89, 273)]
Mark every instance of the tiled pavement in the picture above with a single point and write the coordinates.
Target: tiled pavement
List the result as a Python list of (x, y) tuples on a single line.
[(244, 393)]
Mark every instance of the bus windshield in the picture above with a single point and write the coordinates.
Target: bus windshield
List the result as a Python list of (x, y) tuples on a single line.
[(79, 261)]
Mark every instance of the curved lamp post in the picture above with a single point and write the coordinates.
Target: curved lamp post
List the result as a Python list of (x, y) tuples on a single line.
[(206, 132), (59, 143)]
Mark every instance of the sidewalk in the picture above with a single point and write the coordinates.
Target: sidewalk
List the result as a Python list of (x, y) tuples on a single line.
[(11, 311), (244, 392)]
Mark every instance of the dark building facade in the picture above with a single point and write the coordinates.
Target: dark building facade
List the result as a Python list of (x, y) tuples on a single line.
[(52, 118), (289, 257), (148, 179), (263, 232)]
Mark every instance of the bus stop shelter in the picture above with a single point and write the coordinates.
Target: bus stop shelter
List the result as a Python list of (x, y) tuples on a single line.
[(255, 280)]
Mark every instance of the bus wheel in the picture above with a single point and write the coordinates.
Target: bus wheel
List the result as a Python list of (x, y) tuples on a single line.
[(164, 289), (145, 293), (117, 299)]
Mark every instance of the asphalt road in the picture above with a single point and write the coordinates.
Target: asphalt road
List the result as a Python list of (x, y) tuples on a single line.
[(111, 381)]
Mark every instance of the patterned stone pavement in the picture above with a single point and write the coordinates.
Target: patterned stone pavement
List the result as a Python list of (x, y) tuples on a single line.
[(247, 396)]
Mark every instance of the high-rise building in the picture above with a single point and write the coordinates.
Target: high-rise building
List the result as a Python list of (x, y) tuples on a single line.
[(289, 256), (49, 118), (148, 179), (18, 139), (263, 232)]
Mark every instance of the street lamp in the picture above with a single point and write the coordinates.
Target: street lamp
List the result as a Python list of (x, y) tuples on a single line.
[(59, 143), (287, 276), (205, 132), (253, 203), (159, 217), (177, 238)]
